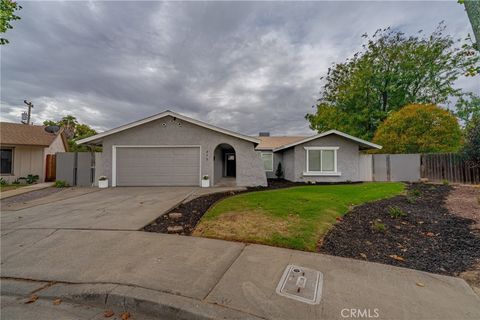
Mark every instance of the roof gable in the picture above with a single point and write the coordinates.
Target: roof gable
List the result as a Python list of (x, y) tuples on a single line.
[(365, 144), (98, 137)]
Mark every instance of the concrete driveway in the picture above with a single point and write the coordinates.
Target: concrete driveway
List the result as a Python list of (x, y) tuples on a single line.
[(108, 209)]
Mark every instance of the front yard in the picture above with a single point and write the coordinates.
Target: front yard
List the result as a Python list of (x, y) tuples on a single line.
[(294, 218)]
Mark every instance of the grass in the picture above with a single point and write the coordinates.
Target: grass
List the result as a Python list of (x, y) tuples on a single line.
[(11, 186), (294, 218)]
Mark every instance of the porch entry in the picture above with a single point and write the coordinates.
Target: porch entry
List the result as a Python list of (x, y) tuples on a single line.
[(224, 165)]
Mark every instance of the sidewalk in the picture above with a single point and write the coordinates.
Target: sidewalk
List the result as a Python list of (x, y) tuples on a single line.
[(211, 275), (22, 190)]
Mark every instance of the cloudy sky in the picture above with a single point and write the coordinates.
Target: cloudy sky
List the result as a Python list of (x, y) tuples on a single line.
[(246, 66)]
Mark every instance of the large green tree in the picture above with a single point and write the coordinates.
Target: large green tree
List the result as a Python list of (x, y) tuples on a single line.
[(7, 15), (471, 150), (391, 71), (418, 128)]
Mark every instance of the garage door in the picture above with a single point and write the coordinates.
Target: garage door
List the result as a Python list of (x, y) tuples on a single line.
[(158, 166)]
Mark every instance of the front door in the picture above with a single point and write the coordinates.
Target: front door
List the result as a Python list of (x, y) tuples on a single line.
[(230, 165)]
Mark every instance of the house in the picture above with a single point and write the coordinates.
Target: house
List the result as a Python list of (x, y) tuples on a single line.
[(331, 156), (25, 150), (170, 149)]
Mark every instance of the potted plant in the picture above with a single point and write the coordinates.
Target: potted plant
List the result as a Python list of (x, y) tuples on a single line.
[(205, 182), (103, 182)]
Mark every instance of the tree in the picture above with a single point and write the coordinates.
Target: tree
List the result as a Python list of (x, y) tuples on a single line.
[(471, 149), (7, 14), (391, 71), (418, 128), (74, 131), (467, 107)]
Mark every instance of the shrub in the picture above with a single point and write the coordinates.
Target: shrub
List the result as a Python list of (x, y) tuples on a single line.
[(411, 199), (415, 192), (3, 182), (445, 182), (102, 178), (31, 178), (61, 184), (279, 172), (379, 227), (418, 128), (205, 177), (396, 212)]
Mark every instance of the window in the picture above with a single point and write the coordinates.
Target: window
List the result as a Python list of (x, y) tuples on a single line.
[(6, 161), (321, 161), (267, 158)]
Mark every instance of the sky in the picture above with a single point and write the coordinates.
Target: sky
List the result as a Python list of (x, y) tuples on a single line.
[(243, 66)]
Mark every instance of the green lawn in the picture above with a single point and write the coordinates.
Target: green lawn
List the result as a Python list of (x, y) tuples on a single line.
[(295, 218)]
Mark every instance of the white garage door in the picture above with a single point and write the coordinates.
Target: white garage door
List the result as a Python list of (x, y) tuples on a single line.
[(158, 166)]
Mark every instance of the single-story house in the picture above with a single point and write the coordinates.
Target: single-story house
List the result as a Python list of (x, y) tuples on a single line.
[(27, 149), (170, 149)]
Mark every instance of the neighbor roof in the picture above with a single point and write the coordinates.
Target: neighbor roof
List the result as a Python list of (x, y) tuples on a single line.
[(26, 135), (363, 143), (270, 143), (98, 137)]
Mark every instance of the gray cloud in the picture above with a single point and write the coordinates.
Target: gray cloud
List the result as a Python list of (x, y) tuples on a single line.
[(245, 66)]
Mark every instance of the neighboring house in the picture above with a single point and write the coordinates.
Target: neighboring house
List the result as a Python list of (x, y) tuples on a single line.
[(169, 149), (25, 148)]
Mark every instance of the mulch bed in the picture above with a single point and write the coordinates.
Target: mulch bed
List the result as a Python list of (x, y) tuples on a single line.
[(429, 237), (192, 211)]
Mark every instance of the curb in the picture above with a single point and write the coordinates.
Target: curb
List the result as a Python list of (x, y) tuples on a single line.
[(128, 298)]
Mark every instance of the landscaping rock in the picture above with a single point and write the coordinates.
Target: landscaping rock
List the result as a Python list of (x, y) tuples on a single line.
[(174, 229), (175, 215)]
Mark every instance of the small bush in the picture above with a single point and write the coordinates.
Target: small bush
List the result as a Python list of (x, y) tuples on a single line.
[(3, 182), (32, 178), (16, 181), (279, 171), (411, 199), (396, 212), (415, 192), (379, 227), (60, 184), (445, 182)]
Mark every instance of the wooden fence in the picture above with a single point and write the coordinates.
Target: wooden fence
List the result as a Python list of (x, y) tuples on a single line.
[(448, 166)]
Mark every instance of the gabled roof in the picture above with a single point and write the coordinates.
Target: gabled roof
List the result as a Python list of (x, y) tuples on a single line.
[(363, 143), (98, 137), (27, 135), (272, 142)]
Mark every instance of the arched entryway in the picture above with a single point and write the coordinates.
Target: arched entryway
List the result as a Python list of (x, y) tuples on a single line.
[(224, 165)]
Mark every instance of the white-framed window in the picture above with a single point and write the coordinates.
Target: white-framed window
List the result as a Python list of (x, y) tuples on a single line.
[(267, 158), (321, 161)]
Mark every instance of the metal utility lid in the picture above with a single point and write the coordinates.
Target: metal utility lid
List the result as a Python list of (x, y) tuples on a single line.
[(301, 284)]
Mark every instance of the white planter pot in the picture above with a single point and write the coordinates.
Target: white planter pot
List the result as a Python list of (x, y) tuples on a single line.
[(205, 183), (103, 184)]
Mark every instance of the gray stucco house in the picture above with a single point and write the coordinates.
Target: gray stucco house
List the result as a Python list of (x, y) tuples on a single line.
[(170, 149)]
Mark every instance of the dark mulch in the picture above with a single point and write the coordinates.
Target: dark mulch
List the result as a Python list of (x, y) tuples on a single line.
[(428, 238), (194, 210), (191, 211)]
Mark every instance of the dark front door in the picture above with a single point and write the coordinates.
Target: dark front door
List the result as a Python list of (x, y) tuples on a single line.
[(230, 165)]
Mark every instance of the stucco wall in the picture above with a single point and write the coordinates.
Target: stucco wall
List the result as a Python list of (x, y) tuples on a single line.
[(289, 164), (347, 160), (27, 160), (167, 132)]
